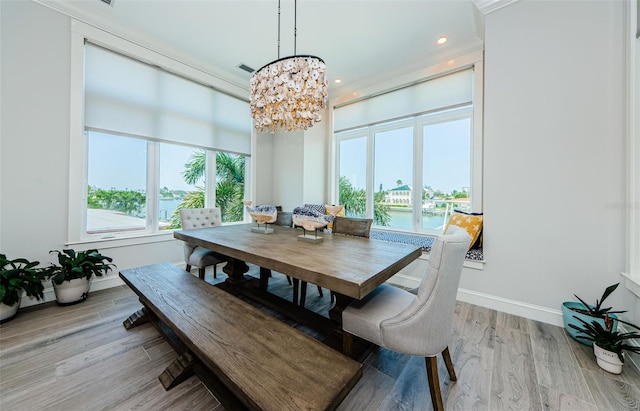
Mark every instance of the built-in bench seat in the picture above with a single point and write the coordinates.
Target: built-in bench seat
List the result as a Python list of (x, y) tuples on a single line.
[(422, 240), (248, 359)]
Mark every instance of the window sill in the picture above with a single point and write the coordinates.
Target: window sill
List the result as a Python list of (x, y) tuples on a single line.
[(632, 283), (115, 242)]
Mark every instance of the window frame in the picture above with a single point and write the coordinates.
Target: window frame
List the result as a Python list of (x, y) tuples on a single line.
[(76, 231), (474, 60), (417, 123), (631, 274)]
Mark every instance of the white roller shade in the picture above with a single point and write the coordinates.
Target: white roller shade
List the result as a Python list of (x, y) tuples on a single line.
[(127, 96), (447, 91)]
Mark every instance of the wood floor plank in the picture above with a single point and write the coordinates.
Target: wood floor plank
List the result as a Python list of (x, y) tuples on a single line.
[(473, 363), (129, 381), (480, 326), (513, 321), (411, 391), (67, 358), (556, 366), (387, 361), (369, 392), (514, 384), (613, 394), (554, 400)]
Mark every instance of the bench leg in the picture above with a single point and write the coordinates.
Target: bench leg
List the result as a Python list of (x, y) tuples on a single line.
[(179, 370), (138, 318)]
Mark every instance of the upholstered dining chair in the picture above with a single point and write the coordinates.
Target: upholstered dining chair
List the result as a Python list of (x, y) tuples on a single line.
[(359, 227), (195, 256), (418, 325)]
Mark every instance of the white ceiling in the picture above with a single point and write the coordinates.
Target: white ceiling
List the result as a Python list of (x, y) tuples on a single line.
[(362, 42)]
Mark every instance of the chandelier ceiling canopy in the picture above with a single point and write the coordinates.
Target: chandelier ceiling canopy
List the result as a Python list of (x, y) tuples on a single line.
[(289, 93)]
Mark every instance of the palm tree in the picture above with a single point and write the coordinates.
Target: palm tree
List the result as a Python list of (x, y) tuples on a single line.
[(355, 201), (229, 185)]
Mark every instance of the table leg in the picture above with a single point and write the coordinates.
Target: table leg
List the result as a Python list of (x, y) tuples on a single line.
[(265, 273), (235, 270), (342, 301)]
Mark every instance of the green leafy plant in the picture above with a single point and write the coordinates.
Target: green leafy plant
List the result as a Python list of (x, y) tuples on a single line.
[(597, 310), (17, 275), (613, 341), (83, 264)]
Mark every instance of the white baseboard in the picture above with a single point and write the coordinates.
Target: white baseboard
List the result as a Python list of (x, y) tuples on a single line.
[(526, 310), (98, 283)]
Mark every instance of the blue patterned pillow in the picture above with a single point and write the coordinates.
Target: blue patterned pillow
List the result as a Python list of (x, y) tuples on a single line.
[(318, 207)]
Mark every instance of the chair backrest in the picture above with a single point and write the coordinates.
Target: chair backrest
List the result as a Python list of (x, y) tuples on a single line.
[(360, 227), (285, 218), (424, 328), (191, 218)]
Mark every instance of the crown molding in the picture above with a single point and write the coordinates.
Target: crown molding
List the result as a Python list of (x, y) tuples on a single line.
[(489, 6)]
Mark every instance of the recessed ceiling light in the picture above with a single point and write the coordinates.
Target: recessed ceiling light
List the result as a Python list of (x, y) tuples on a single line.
[(441, 40), (337, 80)]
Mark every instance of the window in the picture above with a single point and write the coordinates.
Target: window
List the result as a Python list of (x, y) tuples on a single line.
[(153, 136), (393, 176), (433, 149), (446, 170), (415, 149), (118, 185)]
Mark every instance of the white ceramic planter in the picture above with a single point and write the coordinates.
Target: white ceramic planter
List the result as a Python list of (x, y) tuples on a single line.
[(7, 312), (73, 291), (608, 360)]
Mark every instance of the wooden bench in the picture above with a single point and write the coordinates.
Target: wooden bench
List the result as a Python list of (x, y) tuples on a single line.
[(248, 359)]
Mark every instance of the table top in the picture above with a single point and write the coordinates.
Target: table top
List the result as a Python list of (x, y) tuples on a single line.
[(352, 266)]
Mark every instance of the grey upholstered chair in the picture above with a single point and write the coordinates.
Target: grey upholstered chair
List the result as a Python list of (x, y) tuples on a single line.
[(411, 324), (358, 227), (195, 256)]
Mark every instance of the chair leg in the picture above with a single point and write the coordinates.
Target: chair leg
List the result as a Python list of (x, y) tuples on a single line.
[(447, 360), (289, 280), (201, 273), (434, 383), (319, 291), (189, 267), (215, 271), (347, 343)]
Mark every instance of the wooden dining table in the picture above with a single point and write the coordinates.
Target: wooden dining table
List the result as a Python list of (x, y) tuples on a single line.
[(349, 266)]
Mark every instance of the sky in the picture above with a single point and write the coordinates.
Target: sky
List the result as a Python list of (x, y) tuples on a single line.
[(446, 160), (120, 162)]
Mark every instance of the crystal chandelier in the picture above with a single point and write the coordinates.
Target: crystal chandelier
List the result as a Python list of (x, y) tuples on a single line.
[(289, 93)]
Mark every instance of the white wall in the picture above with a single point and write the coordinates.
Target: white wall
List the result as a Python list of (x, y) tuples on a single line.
[(554, 178), (35, 95), (288, 170)]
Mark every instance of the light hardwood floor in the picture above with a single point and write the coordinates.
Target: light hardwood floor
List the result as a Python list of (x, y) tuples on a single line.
[(81, 358)]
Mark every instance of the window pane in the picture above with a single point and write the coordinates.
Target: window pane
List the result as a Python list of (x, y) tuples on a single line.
[(353, 179), (182, 181), (446, 171), (393, 178), (230, 177), (117, 180)]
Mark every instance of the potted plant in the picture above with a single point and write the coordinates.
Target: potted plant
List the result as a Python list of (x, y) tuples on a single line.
[(572, 311), (608, 345), (71, 278), (17, 276)]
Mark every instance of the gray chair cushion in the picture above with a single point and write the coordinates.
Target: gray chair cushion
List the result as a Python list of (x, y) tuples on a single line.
[(363, 318)]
